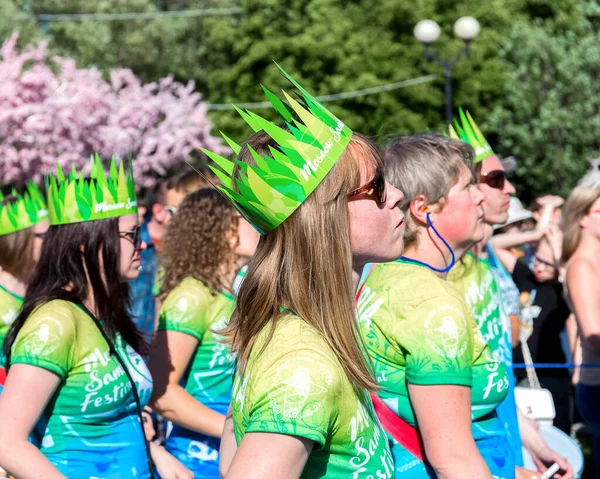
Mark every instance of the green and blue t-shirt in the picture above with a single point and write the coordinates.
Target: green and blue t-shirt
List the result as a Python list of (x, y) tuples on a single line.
[(194, 309), (295, 385), (418, 329), (90, 427), (10, 304), (475, 279)]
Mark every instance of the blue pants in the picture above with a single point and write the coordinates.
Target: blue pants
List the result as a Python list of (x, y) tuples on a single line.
[(588, 399), (494, 449), (197, 452)]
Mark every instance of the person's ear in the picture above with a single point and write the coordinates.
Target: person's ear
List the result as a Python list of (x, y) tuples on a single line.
[(233, 238), (419, 208), (159, 213)]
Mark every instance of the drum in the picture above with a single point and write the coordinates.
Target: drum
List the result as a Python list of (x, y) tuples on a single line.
[(566, 446)]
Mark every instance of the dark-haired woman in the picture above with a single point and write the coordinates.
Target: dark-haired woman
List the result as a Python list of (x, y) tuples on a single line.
[(76, 371), (20, 247), (206, 243)]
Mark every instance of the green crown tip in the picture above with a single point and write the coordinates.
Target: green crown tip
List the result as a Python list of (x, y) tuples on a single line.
[(22, 212), (268, 193), (470, 133), (232, 144), (79, 199)]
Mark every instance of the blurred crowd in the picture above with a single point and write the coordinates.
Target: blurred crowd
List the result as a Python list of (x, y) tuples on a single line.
[(316, 306)]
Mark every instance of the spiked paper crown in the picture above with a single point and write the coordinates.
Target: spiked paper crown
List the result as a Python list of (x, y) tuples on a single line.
[(268, 193), (75, 199), (468, 131), (24, 212)]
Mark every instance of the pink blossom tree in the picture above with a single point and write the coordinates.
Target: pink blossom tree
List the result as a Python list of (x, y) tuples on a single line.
[(51, 111)]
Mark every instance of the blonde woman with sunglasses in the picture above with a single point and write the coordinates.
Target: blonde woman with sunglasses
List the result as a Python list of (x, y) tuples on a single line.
[(300, 405)]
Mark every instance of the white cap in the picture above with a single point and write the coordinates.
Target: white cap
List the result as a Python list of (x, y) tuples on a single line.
[(516, 212), (592, 177)]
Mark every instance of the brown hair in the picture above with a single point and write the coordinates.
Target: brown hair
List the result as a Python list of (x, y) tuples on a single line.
[(16, 249), (297, 266), (184, 182), (577, 206), (188, 181), (427, 165), (197, 242)]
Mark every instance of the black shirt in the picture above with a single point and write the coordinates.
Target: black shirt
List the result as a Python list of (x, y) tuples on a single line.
[(550, 312)]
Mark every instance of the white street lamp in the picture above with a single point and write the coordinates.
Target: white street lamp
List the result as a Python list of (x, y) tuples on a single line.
[(427, 32), (466, 29)]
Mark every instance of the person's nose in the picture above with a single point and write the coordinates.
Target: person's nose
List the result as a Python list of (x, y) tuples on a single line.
[(479, 196), (394, 195), (509, 189)]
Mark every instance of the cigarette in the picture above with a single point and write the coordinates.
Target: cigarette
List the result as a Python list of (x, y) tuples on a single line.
[(553, 469)]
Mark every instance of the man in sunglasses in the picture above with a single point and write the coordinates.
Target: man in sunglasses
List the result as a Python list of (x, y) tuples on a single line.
[(497, 189), (477, 277), (165, 198)]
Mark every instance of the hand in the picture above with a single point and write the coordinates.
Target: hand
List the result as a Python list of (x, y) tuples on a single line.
[(545, 457), (167, 466), (149, 430), (550, 200), (525, 473)]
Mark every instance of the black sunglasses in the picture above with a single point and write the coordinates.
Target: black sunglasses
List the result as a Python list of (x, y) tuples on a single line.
[(544, 262), (133, 235), (494, 179), (376, 185)]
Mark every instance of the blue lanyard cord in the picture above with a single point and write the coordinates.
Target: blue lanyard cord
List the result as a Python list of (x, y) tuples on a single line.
[(557, 365), (416, 261)]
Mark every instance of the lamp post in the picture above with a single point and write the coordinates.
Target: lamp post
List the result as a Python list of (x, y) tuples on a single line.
[(427, 32)]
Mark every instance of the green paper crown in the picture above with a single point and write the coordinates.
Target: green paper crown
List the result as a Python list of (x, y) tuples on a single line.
[(24, 212), (75, 199), (268, 193), (469, 132)]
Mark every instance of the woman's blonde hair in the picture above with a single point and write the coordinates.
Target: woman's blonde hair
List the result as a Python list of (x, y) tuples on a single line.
[(577, 206), (305, 265), (16, 249), (197, 242), (427, 165)]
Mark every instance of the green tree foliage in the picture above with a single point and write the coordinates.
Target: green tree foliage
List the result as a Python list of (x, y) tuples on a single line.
[(550, 116), (14, 16), (334, 46)]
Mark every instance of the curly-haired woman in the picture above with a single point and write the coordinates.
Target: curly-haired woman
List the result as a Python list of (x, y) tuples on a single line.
[(206, 244)]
